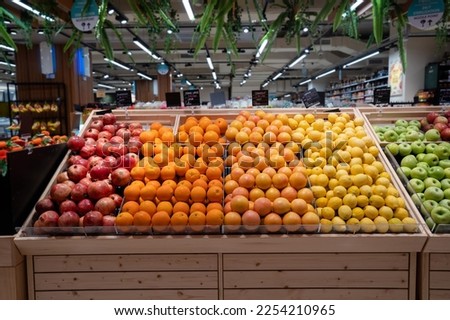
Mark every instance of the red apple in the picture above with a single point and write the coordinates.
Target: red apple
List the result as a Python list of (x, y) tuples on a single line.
[(79, 192), (61, 177), (109, 118), (440, 119), (427, 127), (87, 151), (117, 199), (43, 205), (99, 189), (445, 134), (91, 133), (110, 128), (92, 218), (49, 219), (68, 220), (120, 177), (447, 114), (105, 206), (84, 206), (67, 205), (96, 124), (424, 122), (439, 126), (60, 192), (75, 143), (76, 172), (105, 134), (431, 116), (100, 172)]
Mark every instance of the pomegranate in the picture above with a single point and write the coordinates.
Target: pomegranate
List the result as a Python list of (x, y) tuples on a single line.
[(109, 221), (120, 177), (82, 161), (100, 172), (109, 161), (48, 219), (99, 189), (136, 132), (69, 183), (89, 142), (43, 205), (68, 205), (87, 151), (60, 192), (92, 218), (117, 199), (128, 161), (134, 145), (116, 140), (73, 158), (84, 206), (76, 172), (109, 118), (79, 192), (75, 143), (60, 178), (96, 124), (118, 150), (110, 128), (105, 206), (68, 219), (86, 181), (104, 135), (124, 133), (134, 125), (91, 133)]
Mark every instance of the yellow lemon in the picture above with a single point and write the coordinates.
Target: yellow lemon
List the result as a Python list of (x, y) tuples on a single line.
[(386, 212), (392, 202), (339, 224), (401, 213), (321, 202), (328, 213), (376, 201), (310, 118), (380, 190), (373, 150), (367, 225), (332, 117), (353, 225), (333, 183), (362, 201), (358, 213), (360, 179), (318, 191), (334, 202), (330, 194), (409, 225), (368, 158), (370, 212), (329, 170), (340, 191), (366, 190), (395, 225), (350, 200), (358, 121), (356, 169), (345, 212), (353, 190), (381, 224)]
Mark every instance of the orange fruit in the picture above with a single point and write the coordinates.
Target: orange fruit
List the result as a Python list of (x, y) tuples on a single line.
[(242, 137), (124, 219), (280, 180), (148, 136), (204, 122), (185, 183), (152, 172), (197, 206), (195, 138), (168, 137), (240, 191), (298, 180), (270, 171), (138, 173), (181, 207), (154, 183), (213, 173), (310, 221), (272, 222), (160, 221), (181, 167), (182, 136), (198, 194), (299, 206), (142, 218), (168, 173), (201, 165), (272, 193), (214, 205), (289, 193), (232, 220), (182, 193), (165, 206), (292, 221), (214, 217), (197, 221), (213, 127), (200, 183), (239, 204), (215, 194), (156, 125), (222, 124), (305, 194), (192, 175), (231, 133), (132, 192), (189, 124), (281, 205), (230, 185), (179, 220), (148, 206), (247, 181), (257, 193), (210, 137), (253, 171), (164, 193), (138, 183), (216, 183), (236, 173), (170, 183), (263, 181), (148, 192)]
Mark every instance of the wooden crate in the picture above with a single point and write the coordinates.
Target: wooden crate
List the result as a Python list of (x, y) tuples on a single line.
[(12, 271)]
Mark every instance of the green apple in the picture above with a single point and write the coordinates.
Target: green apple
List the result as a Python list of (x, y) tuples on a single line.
[(424, 165), (447, 193), (380, 135), (430, 147), (445, 203), (393, 148), (432, 135), (401, 123), (445, 163), (412, 128), (418, 147), (404, 149), (401, 139), (415, 123), (433, 193), (445, 184), (409, 161), (418, 198), (431, 159), (441, 215), (378, 128), (445, 144), (404, 170), (432, 182), (447, 172), (419, 173), (415, 185), (400, 130), (442, 152), (436, 172), (411, 135), (420, 157), (421, 136), (429, 205), (390, 136)]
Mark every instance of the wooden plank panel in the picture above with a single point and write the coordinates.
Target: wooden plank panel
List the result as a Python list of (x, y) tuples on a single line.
[(125, 280), (128, 295), (440, 261), (331, 261), (151, 262), (9, 255), (439, 294), (316, 279), (316, 294), (13, 282), (439, 280)]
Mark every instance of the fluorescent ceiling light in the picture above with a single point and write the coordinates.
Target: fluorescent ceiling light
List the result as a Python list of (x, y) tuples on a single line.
[(261, 48), (361, 59), (325, 74), (210, 64), (105, 86), (304, 82), (7, 64), (117, 64), (188, 83), (144, 76), (214, 75), (356, 5), (188, 8), (303, 56), (2, 46), (265, 84), (287, 95), (33, 10), (278, 75), (144, 48)]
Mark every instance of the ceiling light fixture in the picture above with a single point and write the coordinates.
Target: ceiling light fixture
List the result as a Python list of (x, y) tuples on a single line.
[(2, 46), (305, 29), (246, 30), (210, 64), (356, 5), (361, 59), (214, 75), (265, 84), (144, 76), (303, 56), (188, 8), (261, 48), (325, 74), (105, 86), (144, 48), (117, 64), (6, 63), (304, 82), (278, 75), (111, 9), (40, 31), (188, 83), (26, 6)]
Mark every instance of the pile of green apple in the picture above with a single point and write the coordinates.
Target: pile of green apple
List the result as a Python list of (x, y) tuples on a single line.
[(427, 168), (405, 131)]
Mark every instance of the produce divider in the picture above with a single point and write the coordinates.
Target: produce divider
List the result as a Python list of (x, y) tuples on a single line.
[(293, 266)]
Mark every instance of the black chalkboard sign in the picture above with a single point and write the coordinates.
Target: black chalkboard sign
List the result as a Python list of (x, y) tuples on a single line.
[(381, 95), (123, 98), (260, 98), (311, 98), (173, 99), (191, 98), (217, 98)]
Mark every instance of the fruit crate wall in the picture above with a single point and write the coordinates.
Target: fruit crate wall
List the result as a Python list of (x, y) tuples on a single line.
[(41, 93)]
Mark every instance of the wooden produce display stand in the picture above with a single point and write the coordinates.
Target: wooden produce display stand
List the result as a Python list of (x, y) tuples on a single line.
[(12, 271), (224, 266)]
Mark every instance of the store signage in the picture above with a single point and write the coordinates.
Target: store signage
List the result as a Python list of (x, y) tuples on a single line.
[(84, 17), (123, 98), (425, 14), (311, 98), (381, 95), (101, 93), (218, 98), (260, 98), (173, 99), (191, 98)]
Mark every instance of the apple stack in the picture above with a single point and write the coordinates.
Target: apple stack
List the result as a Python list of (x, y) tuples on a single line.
[(427, 168)]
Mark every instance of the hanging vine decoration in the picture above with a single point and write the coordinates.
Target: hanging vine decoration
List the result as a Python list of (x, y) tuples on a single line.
[(5, 37), (442, 30)]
